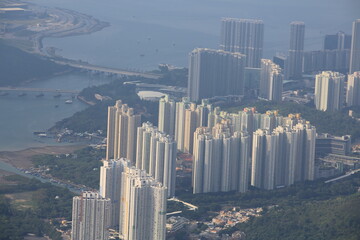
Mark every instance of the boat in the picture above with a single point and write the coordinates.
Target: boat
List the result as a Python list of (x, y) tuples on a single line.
[(38, 133), (57, 95), (69, 101), (22, 94), (4, 93), (56, 106), (40, 95)]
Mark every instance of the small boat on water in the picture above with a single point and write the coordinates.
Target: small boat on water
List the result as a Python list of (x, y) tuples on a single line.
[(69, 101), (38, 132), (57, 95), (4, 93), (40, 95), (56, 106), (22, 94)]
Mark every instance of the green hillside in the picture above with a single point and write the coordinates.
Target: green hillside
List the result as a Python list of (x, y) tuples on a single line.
[(335, 219)]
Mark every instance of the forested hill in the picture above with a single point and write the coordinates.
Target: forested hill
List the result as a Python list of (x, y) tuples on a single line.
[(17, 66)]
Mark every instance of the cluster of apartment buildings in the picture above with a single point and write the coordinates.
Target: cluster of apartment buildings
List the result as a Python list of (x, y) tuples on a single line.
[(238, 68), (137, 177), (231, 151), (330, 93)]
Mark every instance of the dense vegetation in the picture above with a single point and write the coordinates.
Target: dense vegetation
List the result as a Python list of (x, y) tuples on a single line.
[(336, 123), (95, 117), (48, 202), (291, 196), (81, 167), (334, 219), (309, 210), (17, 66), (174, 77)]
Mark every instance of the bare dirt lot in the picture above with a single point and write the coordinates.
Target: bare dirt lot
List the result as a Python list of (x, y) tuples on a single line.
[(22, 159)]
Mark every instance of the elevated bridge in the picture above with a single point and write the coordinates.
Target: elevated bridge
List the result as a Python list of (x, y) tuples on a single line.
[(89, 67), (43, 90)]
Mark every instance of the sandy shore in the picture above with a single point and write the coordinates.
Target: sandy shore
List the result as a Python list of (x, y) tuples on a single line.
[(22, 158)]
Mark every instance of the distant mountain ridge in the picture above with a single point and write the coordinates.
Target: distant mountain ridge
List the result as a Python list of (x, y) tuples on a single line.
[(17, 66)]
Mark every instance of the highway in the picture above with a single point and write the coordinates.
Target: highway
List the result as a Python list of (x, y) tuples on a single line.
[(188, 205), (90, 67), (343, 176), (37, 90)]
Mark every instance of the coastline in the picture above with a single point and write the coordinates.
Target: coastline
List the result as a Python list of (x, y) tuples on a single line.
[(56, 23), (22, 158)]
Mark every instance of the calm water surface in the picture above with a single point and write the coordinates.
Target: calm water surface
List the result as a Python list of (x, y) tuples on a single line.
[(21, 116), (144, 33)]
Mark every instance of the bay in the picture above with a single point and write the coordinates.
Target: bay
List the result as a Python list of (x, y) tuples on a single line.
[(20, 116), (144, 33)]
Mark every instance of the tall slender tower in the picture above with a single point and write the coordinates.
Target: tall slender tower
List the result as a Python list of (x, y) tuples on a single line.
[(111, 125), (166, 122), (110, 185), (156, 154), (294, 62), (353, 90), (271, 81), (143, 206), (245, 36), (329, 91), (121, 132), (215, 73), (263, 159), (191, 123), (91, 217), (221, 160), (305, 163), (180, 122), (355, 47)]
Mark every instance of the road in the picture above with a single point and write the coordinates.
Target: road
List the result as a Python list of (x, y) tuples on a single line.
[(37, 90), (189, 205), (90, 67), (343, 176)]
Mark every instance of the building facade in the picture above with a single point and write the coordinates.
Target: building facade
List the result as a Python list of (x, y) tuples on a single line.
[(245, 36), (167, 113), (121, 133), (91, 217), (143, 206), (110, 185), (294, 62), (353, 90), (329, 91), (220, 160), (215, 73), (271, 81), (355, 47), (156, 154)]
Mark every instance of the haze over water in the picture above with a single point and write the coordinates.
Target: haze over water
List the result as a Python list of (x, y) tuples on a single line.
[(144, 33), (174, 28), (21, 116)]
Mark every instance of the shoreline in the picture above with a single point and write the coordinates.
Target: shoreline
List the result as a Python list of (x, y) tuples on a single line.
[(57, 23), (22, 158)]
